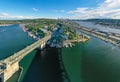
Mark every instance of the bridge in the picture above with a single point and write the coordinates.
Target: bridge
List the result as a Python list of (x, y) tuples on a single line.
[(10, 65)]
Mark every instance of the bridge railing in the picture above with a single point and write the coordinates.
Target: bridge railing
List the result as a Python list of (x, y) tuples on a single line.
[(19, 55)]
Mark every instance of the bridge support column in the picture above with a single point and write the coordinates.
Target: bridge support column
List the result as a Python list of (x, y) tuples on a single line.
[(1, 77), (8, 71), (42, 46)]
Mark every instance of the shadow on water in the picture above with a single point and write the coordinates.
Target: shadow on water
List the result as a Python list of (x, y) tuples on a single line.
[(45, 67)]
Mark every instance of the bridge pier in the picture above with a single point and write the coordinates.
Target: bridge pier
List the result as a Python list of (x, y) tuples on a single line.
[(42, 46), (7, 70), (10, 65)]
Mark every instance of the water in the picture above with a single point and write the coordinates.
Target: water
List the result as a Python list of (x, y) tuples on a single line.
[(72, 58), (12, 39), (92, 61), (45, 67)]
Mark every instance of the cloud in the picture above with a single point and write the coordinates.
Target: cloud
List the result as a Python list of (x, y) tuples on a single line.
[(35, 9), (107, 9), (60, 11), (7, 16), (79, 10), (3, 14)]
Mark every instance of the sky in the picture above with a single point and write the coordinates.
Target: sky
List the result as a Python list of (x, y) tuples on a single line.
[(72, 9)]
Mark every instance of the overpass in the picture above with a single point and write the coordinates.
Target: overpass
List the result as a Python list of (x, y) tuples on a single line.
[(10, 65)]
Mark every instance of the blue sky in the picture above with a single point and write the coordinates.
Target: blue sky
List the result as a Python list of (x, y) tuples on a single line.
[(75, 9)]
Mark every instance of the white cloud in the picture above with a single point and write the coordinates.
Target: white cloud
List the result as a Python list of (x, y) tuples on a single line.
[(108, 9), (35, 9), (79, 10), (3, 14), (108, 4), (7, 16)]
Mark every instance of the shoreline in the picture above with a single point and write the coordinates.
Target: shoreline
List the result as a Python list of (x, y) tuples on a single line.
[(23, 26), (103, 38), (6, 24), (30, 34), (81, 40)]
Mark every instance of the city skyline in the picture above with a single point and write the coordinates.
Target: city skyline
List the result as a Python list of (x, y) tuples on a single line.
[(73, 9)]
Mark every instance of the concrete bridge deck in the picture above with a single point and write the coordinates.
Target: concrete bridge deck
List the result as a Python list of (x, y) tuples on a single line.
[(10, 65), (20, 55)]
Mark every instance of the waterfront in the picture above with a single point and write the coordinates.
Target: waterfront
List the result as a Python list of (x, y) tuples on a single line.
[(12, 39), (91, 61), (98, 27)]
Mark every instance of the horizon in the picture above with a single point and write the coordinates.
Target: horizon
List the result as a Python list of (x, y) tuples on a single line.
[(57, 19), (63, 9)]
